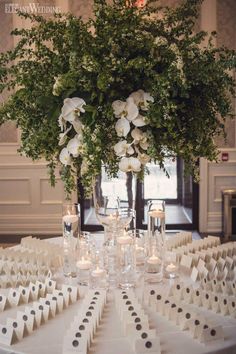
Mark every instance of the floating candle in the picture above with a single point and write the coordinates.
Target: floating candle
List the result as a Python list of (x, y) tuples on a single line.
[(139, 249), (124, 240), (98, 272), (154, 260), (70, 218), (157, 213), (84, 264), (171, 268)]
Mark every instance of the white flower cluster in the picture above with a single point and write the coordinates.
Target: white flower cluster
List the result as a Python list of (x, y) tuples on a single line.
[(128, 127), (70, 113)]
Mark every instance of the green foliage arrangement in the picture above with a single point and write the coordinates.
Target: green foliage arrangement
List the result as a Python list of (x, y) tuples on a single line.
[(146, 68)]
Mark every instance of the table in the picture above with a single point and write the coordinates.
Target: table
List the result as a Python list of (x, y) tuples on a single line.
[(48, 339)]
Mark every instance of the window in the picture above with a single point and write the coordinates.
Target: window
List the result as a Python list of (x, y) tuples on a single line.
[(179, 193)]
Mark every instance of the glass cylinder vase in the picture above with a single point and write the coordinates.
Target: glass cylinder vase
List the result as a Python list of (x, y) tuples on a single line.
[(156, 241), (71, 230), (126, 261)]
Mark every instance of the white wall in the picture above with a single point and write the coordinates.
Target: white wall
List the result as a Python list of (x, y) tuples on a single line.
[(28, 204), (214, 177)]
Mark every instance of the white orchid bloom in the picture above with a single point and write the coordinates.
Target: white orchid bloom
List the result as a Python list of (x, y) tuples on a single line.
[(131, 109), (122, 127), (72, 108), (65, 157), (77, 125), (122, 148), (144, 144), (130, 164), (144, 158), (139, 121), (127, 109), (118, 108), (137, 96), (61, 122), (74, 145), (130, 150), (137, 134), (63, 137), (142, 99), (140, 138)]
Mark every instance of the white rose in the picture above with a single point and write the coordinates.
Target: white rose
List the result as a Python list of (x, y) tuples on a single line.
[(72, 108), (65, 157), (129, 164), (122, 127)]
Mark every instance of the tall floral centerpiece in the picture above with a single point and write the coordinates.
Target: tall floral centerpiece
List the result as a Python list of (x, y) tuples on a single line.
[(132, 84)]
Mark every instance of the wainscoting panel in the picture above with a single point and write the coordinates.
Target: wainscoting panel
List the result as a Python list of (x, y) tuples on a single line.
[(28, 203), (215, 177)]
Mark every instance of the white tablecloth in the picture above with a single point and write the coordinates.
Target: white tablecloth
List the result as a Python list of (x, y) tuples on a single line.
[(48, 339)]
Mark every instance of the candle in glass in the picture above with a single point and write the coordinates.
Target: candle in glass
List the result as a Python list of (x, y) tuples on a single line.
[(170, 265), (70, 227), (156, 241), (126, 261), (98, 275)]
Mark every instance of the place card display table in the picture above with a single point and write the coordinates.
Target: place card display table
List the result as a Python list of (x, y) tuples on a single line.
[(169, 332)]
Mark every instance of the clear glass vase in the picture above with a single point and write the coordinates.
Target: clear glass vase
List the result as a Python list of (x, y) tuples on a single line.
[(114, 202)]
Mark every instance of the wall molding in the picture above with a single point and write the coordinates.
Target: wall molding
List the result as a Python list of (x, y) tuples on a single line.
[(40, 214), (210, 214)]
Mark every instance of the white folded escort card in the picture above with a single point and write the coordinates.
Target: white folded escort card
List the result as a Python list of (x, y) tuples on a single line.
[(206, 299), (37, 315), (24, 294), (82, 330), (185, 316), (72, 291), (146, 344), (14, 297), (18, 327), (135, 323), (41, 287), (186, 262), (50, 285), (3, 302), (59, 301), (195, 274), (65, 296), (44, 311), (26, 319), (7, 335), (215, 302), (211, 333), (33, 291), (194, 324), (51, 305)]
